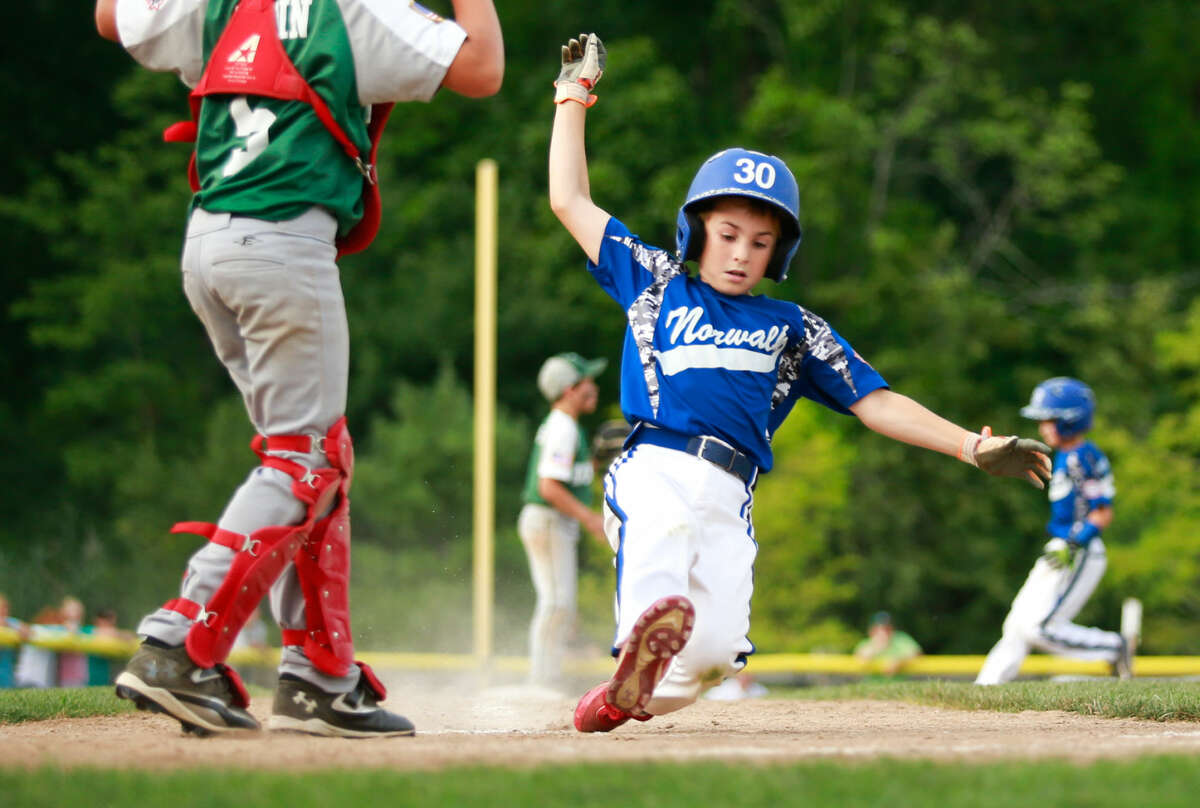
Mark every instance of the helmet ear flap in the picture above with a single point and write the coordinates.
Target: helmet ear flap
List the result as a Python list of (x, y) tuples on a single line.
[(690, 238)]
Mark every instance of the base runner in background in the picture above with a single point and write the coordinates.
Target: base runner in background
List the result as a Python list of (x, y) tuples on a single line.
[(558, 500), (288, 102), (1073, 559), (708, 374)]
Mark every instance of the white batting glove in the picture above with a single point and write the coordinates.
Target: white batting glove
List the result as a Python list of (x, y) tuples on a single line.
[(1007, 456), (583, 63)]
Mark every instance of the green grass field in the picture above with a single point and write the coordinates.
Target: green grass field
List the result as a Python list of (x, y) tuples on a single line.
[(1160, 781), (1151, 699)]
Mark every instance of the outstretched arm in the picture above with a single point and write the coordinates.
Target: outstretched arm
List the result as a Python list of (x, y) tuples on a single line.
[(899, 417), (478, 69), (570, 193), (106, 19)]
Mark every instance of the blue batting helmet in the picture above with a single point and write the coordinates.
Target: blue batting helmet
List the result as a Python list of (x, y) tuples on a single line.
[(741, 172), (1068, 402)]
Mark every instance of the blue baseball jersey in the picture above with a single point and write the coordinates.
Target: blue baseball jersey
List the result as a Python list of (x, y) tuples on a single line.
[(1081, 481), (701, 362)]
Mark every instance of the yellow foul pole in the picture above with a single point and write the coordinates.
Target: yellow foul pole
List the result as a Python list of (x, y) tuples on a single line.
[(485, 405)]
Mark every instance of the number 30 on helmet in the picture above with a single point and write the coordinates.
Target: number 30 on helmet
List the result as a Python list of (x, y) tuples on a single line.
[(741, 172), (1068, 402)]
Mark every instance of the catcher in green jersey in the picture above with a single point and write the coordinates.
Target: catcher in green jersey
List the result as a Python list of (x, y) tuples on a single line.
[(288, 103)]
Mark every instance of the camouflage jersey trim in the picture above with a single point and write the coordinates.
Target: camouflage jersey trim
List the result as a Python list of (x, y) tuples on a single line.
[(1077, 475), (644, 312), (643, 315), (818, 341)]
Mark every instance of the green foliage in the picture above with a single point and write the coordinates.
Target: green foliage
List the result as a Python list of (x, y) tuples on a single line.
[(1161, 501), (414, 488), (414, 523)]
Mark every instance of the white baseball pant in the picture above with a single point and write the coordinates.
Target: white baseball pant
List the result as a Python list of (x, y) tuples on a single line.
[(551, 542), (1041, 615), (682, 526)]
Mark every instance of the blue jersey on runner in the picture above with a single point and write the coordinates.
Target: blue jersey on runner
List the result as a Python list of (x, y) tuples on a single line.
[(1082, 481), (701, 362)]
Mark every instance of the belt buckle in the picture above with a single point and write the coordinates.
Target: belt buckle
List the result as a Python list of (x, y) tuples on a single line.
[(733, 453)]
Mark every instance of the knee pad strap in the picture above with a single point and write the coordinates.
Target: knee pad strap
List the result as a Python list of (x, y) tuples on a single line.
[(319, 547)]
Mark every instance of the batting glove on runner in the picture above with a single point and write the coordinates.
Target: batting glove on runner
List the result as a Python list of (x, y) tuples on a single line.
[(1007, 456), (583, 63), (1059, 553)]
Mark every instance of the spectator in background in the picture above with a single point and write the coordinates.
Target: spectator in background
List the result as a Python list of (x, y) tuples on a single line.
[(104, 626), (38, 667), (72, 665), (884, 643), (8, 655)]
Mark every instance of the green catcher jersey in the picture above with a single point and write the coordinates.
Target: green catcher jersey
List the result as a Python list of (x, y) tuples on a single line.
[(273, 159)]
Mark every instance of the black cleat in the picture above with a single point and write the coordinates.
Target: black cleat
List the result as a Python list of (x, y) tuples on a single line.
[(204, 700), (303, 707)]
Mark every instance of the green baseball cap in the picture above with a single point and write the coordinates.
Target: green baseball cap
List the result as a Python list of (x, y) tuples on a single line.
[(566, 370)]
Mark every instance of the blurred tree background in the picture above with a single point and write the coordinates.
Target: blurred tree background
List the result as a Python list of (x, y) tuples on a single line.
[(992, 194)]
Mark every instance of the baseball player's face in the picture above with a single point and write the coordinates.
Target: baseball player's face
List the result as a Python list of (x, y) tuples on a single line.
[(585, 395), (739, 242), (1049, 433)]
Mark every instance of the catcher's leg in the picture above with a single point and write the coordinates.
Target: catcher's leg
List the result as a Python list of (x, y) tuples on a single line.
[(191, 682)]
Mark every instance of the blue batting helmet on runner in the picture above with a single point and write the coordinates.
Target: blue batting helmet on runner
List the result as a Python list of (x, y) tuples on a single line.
[(741, 172), (1068, 402)]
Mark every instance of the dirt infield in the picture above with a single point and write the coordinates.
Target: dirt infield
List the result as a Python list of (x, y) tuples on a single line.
[(519, 727)]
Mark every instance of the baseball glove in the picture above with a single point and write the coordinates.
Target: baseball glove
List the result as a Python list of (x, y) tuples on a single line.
[(609, 441)]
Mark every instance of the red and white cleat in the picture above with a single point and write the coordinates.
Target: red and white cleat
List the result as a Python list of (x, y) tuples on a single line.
[(594, 714), (658, 635)]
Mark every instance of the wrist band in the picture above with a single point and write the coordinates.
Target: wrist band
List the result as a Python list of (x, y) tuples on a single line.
[(1084, 533), (966, 452), (573, 91)]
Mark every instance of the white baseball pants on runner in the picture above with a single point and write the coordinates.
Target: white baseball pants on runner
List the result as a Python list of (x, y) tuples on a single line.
[(681, 526), (270, 297), (1041, 615)]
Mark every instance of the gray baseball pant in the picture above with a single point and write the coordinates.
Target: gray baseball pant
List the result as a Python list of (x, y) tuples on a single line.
[(270, 297)]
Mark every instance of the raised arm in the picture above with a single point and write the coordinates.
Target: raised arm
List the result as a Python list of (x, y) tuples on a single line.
[(899, 417), (478, 69), (106, 19), (570, 194)]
